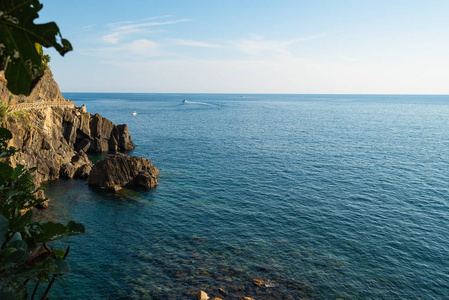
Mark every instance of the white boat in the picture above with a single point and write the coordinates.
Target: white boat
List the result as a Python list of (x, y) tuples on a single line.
[(134, 113)]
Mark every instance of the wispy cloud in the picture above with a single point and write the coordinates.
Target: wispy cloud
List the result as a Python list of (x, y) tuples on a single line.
[(118, 24), (257, 45), (132, 51), (183, 42), (123, 30), (87, 28)]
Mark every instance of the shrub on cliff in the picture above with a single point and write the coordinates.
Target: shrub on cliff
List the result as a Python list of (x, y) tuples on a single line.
[(25, 257)]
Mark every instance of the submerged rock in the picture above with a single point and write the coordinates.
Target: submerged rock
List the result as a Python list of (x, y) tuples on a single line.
[(201, 295), (258, 282), (120, 170)]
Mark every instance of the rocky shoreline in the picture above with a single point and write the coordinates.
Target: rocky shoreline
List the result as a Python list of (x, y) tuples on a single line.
[(55, 140)]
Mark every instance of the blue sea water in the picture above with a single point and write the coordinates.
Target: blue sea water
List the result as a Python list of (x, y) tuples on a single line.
[(321, 196)]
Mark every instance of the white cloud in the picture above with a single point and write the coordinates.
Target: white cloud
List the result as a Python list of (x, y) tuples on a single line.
[(127, 29), (141, 47), (87, 28), (183, 42), (257, 45), (132, 51)]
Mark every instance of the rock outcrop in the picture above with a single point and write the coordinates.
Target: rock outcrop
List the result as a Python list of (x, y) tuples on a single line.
[(55, 140), (120, 170), (93, 133), (38, 135)]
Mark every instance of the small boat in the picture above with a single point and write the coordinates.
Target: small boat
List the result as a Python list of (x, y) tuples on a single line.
[(184, 101), (134, 113)]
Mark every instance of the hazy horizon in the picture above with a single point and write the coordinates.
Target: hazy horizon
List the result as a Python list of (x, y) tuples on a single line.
[(253, 47)]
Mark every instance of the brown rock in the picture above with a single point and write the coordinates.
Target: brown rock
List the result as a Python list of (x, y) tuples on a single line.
[(83, 171), (201, 295), (124, 171), (43, 205), (50, 138), (258, 282), (124, 139), (248, 298), (83, 145), (67, 171)]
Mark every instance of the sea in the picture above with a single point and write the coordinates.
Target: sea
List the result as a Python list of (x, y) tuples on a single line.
[(317, 196)]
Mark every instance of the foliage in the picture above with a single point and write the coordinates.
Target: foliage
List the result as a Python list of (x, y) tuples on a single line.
[(4, 111), (44, 57), (19, 35), (24, 256)]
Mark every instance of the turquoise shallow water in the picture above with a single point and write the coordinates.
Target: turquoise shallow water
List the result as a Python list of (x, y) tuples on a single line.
[(323, 196)]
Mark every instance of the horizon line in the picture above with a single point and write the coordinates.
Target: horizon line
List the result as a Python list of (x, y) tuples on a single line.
[(219, 93)]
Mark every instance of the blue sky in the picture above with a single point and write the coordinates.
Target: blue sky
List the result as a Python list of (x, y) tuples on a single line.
[(253, 46)]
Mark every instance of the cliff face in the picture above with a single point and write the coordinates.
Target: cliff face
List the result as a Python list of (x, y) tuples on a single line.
[(45, 90), (55, 140)]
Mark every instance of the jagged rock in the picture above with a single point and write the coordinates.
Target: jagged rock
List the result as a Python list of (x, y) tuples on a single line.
[(258, 282), (78, 167), (83, 145), (46, 88), (201, 295), (124, 171), (54, 139), (95, 133), (124, 138), (67, 170), (49, 139), (43, 205), (84, 171)]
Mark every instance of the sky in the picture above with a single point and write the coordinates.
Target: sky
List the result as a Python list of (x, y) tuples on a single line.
[(252, 46)]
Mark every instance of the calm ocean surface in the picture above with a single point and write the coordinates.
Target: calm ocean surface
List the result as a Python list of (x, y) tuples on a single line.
[(322, 196)]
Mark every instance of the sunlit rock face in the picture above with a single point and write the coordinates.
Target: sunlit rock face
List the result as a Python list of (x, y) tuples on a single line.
[(120, 170), (54, 140)]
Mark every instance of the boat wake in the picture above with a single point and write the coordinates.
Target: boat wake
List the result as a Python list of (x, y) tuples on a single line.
[(202, 103)]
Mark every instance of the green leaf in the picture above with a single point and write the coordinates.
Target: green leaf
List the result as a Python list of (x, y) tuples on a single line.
[(75, 228), (18, 35), (6, 171), (15, 257), (3, 229), (18, 244), (5, 134), (50, 231), (8, 293), (59, 253), (63, 266), (21, 221)]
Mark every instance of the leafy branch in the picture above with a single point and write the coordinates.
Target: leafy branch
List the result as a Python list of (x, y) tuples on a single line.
[(19, 56), (24, 254)]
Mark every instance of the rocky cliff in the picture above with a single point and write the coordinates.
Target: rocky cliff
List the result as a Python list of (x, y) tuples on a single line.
[(46, 89), (55, 140), (120, 170)]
